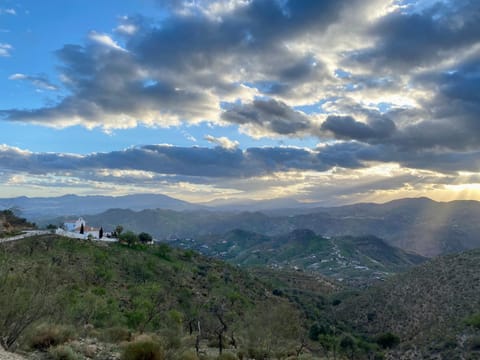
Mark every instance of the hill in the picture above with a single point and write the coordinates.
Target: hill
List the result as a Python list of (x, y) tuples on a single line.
[(10, 224), (113, 290), (434, 309), (421, 225), (355, 260)]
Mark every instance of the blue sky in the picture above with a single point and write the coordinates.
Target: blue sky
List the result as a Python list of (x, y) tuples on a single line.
[(326, 101)]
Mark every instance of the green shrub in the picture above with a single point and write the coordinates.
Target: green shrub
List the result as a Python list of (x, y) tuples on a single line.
[(474, 321), (63, 352), (143, 350), (188, 355), (116, 334), (47, 335), (227, 356)]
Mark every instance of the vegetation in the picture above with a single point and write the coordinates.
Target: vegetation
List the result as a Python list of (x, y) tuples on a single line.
[(188, 302), (355, 260), (11, 225)]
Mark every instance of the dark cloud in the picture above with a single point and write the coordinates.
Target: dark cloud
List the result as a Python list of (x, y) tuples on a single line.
[(185, 65), (346, 127), (271, 115), (412, 39)]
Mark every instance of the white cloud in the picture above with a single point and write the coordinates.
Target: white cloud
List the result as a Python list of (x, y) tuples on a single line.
[(8, 11), (5, 49), (105, 40), (222, 141)]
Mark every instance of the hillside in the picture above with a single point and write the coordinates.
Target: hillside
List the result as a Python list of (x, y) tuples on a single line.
[(429, 308), (355, 260), (10, 224), (421, 225), (98, 288)]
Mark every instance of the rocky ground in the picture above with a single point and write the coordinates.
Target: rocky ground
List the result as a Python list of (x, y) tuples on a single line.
[(9, 356)]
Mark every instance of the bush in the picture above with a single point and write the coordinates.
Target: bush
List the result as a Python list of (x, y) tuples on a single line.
[(227, 356), (474, 321), (116, 334), (63, 352), (45, 336), (388, 340), (143, 350), (188, 355)]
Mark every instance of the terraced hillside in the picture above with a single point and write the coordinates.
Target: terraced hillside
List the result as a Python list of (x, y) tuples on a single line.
[(355, 260)]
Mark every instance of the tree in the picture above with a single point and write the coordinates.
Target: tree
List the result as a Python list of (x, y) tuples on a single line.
[(128, 237), (145, 238), (348, 346), (100, 233), (119, 230), (26, 296), (82, 229)]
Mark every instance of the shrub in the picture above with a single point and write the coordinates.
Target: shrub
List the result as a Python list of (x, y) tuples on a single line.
[(143, 350), (388, 340), (188, 355), (63, 352), (474, 321), (116, 334), (47, 335), (227, 356)]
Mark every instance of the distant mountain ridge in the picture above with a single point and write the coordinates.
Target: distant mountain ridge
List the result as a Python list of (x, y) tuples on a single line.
[(41, 207), (419, 225)]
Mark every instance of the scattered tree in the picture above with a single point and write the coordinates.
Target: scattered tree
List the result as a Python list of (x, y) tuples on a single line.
[(145, 238), (118, 230), (129, 237)]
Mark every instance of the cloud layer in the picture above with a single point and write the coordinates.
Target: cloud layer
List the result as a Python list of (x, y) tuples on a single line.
[(375, 82)]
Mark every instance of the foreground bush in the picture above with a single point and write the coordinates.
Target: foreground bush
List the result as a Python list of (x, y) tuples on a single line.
[(116, 334), (47, 335), (143, 350), (64, 352)]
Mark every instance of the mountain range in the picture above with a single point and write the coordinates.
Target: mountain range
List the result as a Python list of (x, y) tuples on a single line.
[(420, 225), (41, 207)]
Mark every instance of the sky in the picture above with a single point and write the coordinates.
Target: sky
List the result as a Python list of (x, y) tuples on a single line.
[(325, 101)]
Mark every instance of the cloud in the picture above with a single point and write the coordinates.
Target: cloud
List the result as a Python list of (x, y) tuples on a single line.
[(268, 116), (416, 39), (222, 141), (104, 39), (5, 49), (40, 82), (377, 81), (346, 127), (9, 11)]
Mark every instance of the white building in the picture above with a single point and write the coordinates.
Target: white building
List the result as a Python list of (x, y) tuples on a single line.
[(74, 225)]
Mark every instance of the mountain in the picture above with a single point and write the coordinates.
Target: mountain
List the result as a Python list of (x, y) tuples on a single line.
[(420, 225), (355, 260), (35, 208), (434, 309)]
